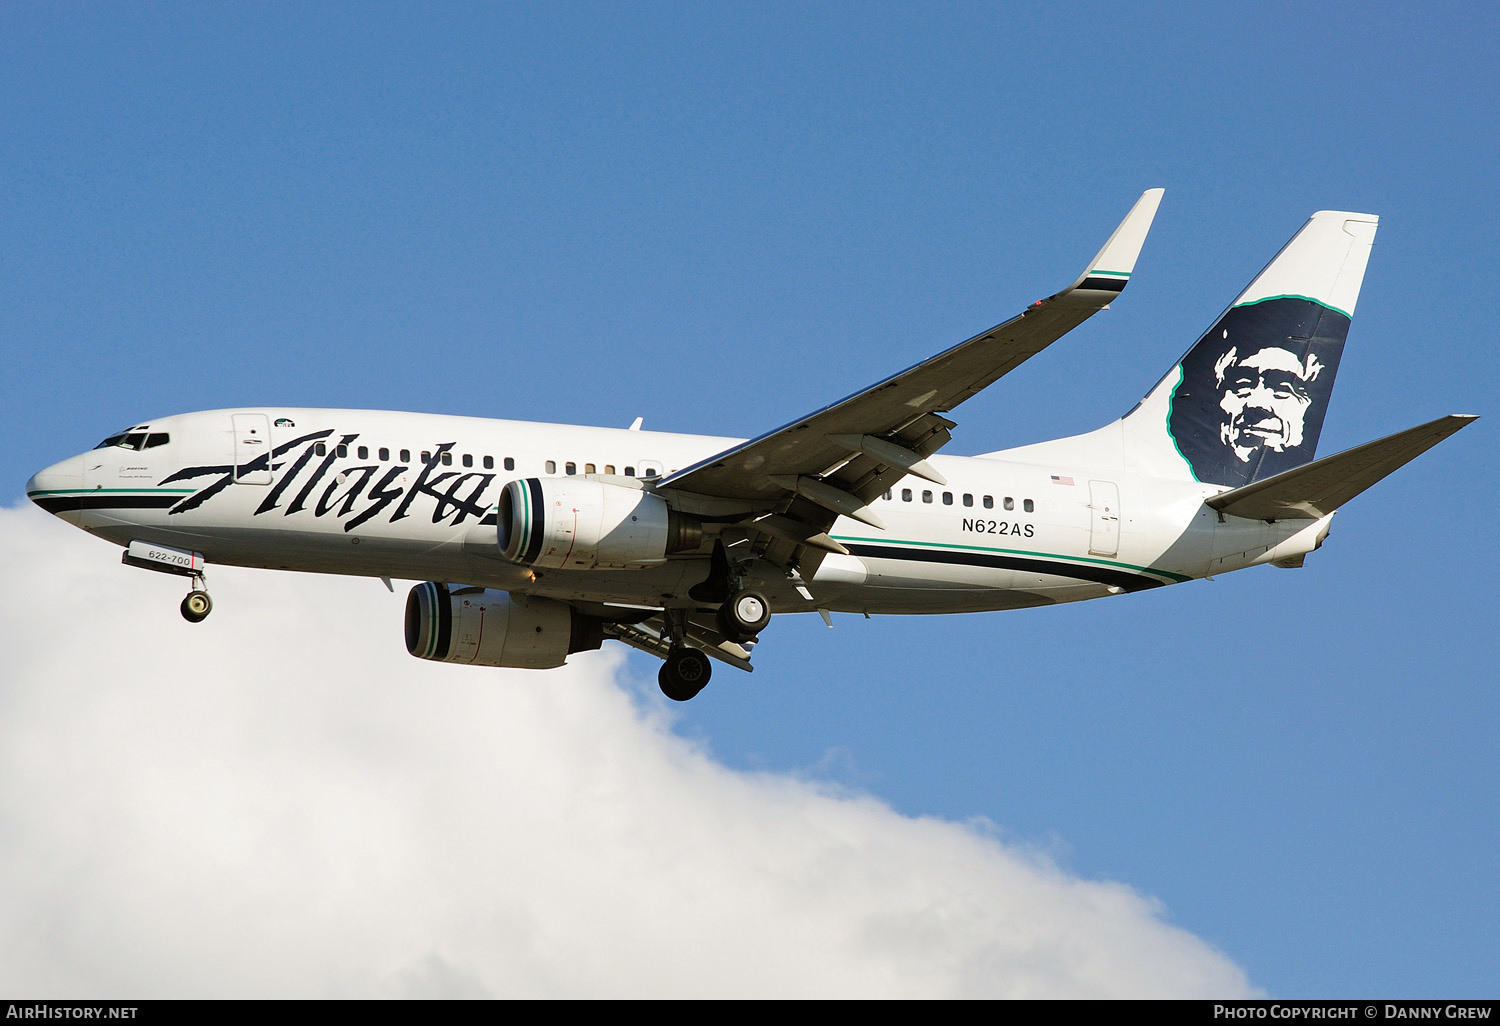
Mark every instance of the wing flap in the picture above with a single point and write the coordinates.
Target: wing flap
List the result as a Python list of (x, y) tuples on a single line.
[(1313, 491), (647, 638)]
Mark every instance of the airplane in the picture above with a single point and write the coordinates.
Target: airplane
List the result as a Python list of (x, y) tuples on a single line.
[(536, 541)]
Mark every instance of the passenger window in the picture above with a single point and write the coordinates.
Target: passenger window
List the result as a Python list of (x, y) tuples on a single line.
[(447, 459), (385, 455), (609, 468), (630, 472), (968, 499), (510, 463), (906, 495), (1010, 503), (364, 452), (926, 496), (947, 498), (489, 463), (426, 457), (405, 455), (321, 449), (551, 466), (989, 502), (588, 468), (887, 495), (468, 460), (1029, 506), (570, 469)]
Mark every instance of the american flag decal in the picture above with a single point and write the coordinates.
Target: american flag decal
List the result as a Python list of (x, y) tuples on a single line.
[(1061, 480)]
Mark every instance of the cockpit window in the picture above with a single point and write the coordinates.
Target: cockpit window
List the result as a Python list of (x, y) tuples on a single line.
[(136, 440)]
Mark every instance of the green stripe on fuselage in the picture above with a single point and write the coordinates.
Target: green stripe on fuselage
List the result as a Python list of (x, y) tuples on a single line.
[(949, 546)]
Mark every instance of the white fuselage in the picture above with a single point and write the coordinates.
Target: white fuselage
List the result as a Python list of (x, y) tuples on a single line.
[(412, 496)]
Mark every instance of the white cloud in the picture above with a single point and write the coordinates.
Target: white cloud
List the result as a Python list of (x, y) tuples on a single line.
[(281, 802)]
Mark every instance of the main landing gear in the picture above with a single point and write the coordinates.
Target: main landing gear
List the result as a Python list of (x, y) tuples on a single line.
[(743, 616), (684, 673), (197, 605)]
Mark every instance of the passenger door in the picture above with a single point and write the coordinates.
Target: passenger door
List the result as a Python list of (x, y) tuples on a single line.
[(1104, 528), (252, 440)]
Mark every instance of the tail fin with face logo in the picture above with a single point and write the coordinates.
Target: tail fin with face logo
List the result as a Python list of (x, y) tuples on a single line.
[(1248, 400)]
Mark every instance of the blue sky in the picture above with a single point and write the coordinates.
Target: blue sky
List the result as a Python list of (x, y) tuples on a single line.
[(722, 217)]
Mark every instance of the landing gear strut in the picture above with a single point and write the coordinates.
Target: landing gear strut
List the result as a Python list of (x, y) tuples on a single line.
[(197, 605)]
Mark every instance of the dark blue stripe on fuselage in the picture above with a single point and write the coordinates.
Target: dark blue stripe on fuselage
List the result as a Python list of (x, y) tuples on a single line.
[(104, 500), (999, 561)]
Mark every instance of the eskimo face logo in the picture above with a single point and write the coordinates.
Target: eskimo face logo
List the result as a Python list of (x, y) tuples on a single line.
[(1265, 397), (1254, 390)]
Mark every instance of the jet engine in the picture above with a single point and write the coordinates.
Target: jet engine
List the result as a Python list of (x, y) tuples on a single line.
[(456, 624), (582, 523)]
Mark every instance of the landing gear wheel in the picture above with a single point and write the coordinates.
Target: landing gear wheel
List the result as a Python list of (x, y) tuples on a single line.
[(684, 674), (744, 616), (196, 606)]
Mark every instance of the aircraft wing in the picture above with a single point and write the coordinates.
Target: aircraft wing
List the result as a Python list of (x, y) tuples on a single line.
[(838, 459), (1313, 491)]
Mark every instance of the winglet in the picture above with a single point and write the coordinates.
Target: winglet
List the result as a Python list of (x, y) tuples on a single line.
[(1110, 270)]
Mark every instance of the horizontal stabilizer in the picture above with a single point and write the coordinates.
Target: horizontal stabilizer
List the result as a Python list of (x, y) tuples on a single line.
[(1313, 491)]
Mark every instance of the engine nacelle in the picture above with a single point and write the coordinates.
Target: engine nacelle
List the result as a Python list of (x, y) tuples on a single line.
[(582, 523), (456, 624)]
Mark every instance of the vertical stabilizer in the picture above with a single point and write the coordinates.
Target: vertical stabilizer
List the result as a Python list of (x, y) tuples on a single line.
[(1248, 400)]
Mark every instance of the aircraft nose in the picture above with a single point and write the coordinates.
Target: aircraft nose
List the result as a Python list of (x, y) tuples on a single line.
[(46, 486)]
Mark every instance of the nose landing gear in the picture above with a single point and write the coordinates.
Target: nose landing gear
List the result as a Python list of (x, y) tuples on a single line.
[(164, 559), (197, 605)]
